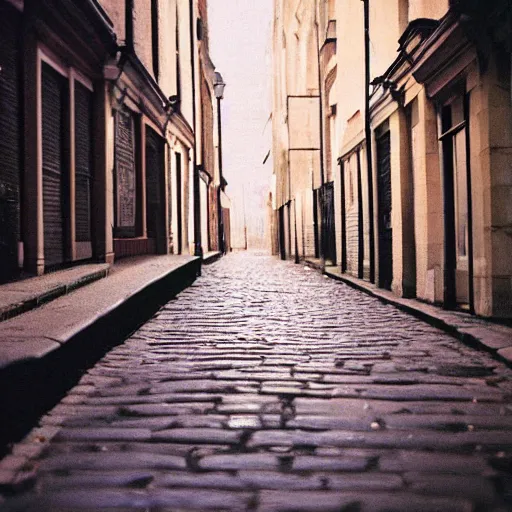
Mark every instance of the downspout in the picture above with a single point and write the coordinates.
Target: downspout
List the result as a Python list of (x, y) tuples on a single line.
[(368, 137), (198, 250), (322, 177), (219, 190)]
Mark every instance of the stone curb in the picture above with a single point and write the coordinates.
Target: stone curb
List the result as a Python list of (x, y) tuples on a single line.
[(211, 257), (472, 331), (52, 292), (32, 384)]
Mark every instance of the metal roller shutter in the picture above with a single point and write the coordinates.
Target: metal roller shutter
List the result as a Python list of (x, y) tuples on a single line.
[(154, 173), (53, 98), (10, 128), (83, 162), (384, 205)]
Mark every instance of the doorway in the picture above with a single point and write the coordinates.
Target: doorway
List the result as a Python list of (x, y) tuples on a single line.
[(458, 260), (384, 210), (55, 173)]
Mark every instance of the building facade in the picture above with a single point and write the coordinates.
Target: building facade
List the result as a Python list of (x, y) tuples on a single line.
[(415, 103), (99, 130)]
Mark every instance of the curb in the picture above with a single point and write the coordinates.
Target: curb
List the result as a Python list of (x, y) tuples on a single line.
[(498, 350), (212, 257), (53, 293), (31, 387)]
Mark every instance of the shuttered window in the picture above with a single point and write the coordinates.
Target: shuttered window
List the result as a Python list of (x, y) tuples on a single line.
[(83, 162), (54, 97), (10, 128), (125, 175), (154, 173)]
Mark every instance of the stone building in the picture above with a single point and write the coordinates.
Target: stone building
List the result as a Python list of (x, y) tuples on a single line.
[(98, 131), (296, 128), (416, 138)]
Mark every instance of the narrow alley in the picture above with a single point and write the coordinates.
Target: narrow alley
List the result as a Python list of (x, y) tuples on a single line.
[(267, 387)]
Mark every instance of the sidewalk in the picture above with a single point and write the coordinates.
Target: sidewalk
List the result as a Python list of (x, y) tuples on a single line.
[(42, 351), (475, 331)]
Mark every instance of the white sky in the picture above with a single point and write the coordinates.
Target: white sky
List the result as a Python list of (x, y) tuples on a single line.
[(240, 42)]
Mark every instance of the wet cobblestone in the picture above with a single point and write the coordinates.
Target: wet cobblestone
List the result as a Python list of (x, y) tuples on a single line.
[(266, 387)]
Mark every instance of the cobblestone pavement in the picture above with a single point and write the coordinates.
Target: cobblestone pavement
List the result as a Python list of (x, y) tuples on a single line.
[(267, 387)]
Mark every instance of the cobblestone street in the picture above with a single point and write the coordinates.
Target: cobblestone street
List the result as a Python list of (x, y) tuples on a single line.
[(267, 387)]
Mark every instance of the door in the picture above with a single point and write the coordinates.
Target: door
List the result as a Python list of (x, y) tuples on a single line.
[(329, 227), (154, 190), (384, 211), (179, 203), (83, 170), (10, 140), (54, 97), (458, 259), (282, 249), (316, 228)]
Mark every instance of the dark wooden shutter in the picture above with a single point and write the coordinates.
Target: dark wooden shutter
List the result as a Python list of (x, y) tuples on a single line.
[(179, 204), (54, 96), (83, 162), (10, 129), (384, 195), (154, 173)]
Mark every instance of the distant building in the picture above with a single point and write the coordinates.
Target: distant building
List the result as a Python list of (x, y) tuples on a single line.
[(414, 186)]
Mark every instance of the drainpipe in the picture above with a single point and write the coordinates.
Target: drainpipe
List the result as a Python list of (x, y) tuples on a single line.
[(219, 190), (322, 177), (368, 135), (198, 250)]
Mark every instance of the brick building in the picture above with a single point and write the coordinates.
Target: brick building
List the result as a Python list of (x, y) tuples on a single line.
[(99, 130)]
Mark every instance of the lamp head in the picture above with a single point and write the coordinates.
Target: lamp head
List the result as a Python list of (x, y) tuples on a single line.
[(218, 86)]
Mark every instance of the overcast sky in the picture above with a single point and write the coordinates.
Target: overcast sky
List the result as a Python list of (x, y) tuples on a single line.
[(240, 32)]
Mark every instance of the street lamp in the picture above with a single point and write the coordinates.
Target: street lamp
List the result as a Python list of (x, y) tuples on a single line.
[(218, 88)]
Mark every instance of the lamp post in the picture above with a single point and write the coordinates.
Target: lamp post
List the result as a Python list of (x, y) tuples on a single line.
[(218, 88)]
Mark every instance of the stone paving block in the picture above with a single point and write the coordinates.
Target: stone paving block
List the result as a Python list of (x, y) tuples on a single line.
[(197, 499), (335, 463), (108, 461), (478, 489), (98, 479), (164, 409), (103, 434), (240, 461), (426, 462), (279, 481), (198, 435), (362, 482), (313, 422), (213, 480)]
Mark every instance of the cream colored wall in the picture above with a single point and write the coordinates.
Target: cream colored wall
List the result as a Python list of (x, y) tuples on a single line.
[(351, 201), (167, 46), (388, 20), (433, 9), (350, 58), (116, 12), (428, 204), (491, 149), (500, 140), (142, 32), (184, 60)]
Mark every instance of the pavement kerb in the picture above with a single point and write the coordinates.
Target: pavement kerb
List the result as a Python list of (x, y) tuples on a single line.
[(211, 257), (30, 385), (436, 317), (18, 307)]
